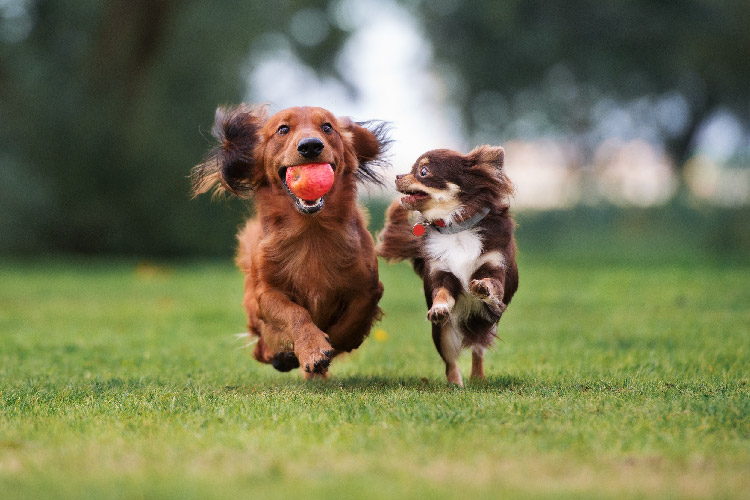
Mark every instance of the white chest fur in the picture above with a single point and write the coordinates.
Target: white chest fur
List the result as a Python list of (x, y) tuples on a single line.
[(456, 253)]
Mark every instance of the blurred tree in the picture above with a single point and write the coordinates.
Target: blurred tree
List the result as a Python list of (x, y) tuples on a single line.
[(583, 69), (105, 107)]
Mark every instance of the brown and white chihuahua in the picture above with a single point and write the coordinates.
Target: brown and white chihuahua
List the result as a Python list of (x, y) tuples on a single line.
[(462, 246)]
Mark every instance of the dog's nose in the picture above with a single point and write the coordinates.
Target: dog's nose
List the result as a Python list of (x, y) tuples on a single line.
[(401, 176), (310, 147)]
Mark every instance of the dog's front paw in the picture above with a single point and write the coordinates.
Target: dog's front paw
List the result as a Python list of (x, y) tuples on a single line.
[(484, 291), (314, 353), (319, 362), (439, 313), (481, 289)]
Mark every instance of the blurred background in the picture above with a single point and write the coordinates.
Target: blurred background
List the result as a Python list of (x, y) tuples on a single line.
[(626, 123)]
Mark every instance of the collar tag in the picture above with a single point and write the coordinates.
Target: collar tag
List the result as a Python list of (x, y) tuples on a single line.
[(418, 229)]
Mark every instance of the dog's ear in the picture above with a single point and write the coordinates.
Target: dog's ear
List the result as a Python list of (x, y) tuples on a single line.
[(370, 142), (492, 156), (230, 166), (489, 162)]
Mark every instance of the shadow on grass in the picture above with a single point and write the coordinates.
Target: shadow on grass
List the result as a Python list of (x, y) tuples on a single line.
[(45, 388), (556, 386), (378, 383)]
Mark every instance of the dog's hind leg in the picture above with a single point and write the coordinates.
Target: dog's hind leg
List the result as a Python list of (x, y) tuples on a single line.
[(354, 324), (448, 341), (477, 362)]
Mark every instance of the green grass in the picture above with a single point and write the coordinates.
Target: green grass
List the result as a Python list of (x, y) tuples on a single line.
[(120, 380)]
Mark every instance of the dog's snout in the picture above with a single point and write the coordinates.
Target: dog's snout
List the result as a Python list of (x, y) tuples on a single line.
[(310, 147), (402, 180)]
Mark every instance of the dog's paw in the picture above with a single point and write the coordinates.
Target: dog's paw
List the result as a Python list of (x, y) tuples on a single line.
[(284, 361), (483, 290), (314, 352), (439, 313), (319, 362)]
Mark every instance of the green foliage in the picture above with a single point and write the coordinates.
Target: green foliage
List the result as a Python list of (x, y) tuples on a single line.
[(562, 68), (674, 233), (662, 235), (105, 107), (122, 379)]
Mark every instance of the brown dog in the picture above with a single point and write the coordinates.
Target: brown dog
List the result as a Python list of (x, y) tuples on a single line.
[(311, 275), (462, 246)]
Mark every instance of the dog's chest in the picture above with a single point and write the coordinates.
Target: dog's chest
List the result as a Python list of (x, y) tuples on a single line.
[(456, 253)]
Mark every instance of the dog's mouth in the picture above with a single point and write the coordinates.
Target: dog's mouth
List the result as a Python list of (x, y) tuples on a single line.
[(307, 207), (413, 198)]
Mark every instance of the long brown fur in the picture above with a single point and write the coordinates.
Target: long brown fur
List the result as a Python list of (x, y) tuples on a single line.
[(311, 278)]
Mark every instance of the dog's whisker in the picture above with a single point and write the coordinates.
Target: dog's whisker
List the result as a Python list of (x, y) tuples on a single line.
[(245, 335)]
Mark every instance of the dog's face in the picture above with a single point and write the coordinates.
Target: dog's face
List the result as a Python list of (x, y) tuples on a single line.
[(443, 182), (433, 186), (255, 151), (299, 136)]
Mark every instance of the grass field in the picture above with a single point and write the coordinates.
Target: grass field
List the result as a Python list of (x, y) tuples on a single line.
[(123, 380)]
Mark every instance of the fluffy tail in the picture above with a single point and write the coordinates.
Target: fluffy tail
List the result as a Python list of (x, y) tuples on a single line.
[(396, 242)]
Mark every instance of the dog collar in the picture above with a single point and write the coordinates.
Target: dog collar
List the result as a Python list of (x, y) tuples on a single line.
[(443, 227)]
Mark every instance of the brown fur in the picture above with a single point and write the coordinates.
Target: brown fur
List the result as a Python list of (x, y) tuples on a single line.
[(311, 275), (447, 190)]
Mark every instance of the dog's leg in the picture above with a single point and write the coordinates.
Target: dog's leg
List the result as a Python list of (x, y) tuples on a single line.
[(284, 360), (444, 287), (448, 343), (313, 375), (488, 285), (477, 362), (355, 322), (442, 305), (441, 290), (290, 329), (450, 349)]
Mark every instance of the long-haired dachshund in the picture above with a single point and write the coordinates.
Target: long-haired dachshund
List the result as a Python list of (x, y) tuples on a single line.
[(462, 247), (311, 275)]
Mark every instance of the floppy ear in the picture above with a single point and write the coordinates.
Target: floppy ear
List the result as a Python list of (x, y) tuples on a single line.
[(230, 166), (370, 142), (492, 156)]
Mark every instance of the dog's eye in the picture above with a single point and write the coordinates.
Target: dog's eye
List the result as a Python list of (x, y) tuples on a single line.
[(424, 172), (283, 130), (327, 128)]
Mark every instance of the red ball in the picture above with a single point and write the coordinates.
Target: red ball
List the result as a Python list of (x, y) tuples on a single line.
[(310, 181)]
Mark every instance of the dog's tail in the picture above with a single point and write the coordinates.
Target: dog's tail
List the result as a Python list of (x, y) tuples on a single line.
[(397, 242)]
